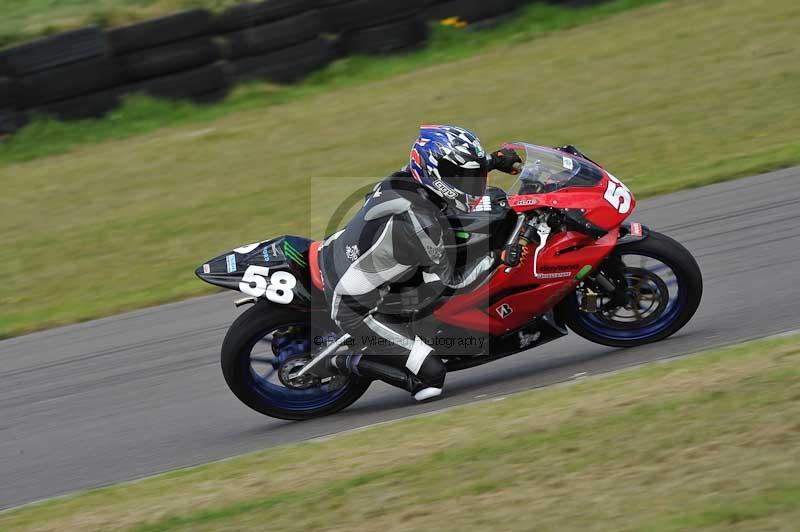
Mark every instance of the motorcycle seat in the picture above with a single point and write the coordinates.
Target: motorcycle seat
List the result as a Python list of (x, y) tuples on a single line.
[(313, 264)]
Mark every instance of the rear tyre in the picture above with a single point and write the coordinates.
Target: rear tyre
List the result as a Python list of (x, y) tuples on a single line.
[(664, 288), (260, 337)]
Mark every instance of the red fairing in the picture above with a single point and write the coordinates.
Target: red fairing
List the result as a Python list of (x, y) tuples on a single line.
[(606, 205), (512, 298), (515, 296)]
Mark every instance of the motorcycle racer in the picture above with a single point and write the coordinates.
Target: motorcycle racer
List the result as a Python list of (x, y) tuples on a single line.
[(399, 233)]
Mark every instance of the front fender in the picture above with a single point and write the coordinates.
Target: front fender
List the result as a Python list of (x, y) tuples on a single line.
[(632, 232)]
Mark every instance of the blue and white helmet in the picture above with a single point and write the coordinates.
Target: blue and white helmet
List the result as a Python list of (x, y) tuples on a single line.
[(450, 161)]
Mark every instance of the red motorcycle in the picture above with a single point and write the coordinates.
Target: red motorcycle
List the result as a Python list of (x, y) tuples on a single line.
[(570, 260)]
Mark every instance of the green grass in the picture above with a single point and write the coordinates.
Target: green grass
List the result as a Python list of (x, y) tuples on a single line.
[(28, 19), (142, 114), (709, 442), (667, 96)]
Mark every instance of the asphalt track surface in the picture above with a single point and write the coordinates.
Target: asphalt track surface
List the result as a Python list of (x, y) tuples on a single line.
[(136, 394)]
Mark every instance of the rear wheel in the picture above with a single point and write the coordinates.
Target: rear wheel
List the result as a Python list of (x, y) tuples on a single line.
[(262, 348), (659, 287)]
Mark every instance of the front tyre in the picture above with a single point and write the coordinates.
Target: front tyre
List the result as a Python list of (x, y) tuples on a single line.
[(661, 290), (262, 347)]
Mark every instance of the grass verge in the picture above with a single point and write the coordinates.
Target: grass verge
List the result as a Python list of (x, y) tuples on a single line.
[(667, 96), (707, 442)]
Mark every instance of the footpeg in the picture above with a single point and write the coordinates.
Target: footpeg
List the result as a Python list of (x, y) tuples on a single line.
[(328, 351)]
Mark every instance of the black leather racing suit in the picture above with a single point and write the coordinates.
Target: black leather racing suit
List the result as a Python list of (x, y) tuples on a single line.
[(399, 232)]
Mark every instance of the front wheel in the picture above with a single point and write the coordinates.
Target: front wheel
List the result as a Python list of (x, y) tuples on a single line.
[(262, 348), (659, 287)]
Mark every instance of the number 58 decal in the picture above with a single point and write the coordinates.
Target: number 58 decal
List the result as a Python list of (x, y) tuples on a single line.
[(618, 195), (278, 288)]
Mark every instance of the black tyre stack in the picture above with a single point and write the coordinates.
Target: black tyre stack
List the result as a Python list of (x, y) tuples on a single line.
[(11, 116), (276, 40), (60, 75), (376, 26), (174, 57), (197, 55)]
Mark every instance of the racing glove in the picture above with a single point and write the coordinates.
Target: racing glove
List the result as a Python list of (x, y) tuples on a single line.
[(504, 160)]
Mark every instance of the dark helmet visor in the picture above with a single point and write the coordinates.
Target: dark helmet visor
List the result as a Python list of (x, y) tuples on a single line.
[(471, 181)]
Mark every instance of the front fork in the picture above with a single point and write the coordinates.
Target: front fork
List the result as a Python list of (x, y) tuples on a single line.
[(609, 282)]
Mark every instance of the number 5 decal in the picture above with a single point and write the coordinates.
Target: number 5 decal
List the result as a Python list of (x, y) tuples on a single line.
[(618, 195), (278, 289)]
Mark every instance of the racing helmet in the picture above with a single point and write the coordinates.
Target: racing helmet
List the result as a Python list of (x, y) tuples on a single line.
[(450, 161)]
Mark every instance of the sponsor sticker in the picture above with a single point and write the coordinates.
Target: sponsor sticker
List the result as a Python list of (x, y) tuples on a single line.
[(559, 267), (636, 229), (352, 252), (230, 261), (556, 271), (442, 187), (206, 268), (527, 202), (435, 252), (568, 164), (293, 254), (558, 275), (504, 310), (483, 205), (265, 253)]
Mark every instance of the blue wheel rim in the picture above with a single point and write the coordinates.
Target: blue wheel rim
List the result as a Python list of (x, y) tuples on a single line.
[(675, 303), (259, 365)]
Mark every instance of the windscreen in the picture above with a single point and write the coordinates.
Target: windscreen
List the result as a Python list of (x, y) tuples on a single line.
[(548, 170)]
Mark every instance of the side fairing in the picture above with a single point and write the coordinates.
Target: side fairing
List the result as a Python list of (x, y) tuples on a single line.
[(274, 270), (515, 296)]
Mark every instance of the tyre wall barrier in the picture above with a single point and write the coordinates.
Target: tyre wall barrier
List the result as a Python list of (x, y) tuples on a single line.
[(199, 56)]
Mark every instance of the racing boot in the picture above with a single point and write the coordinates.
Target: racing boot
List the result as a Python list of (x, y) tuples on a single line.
[(421, 372), (427, 369)]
